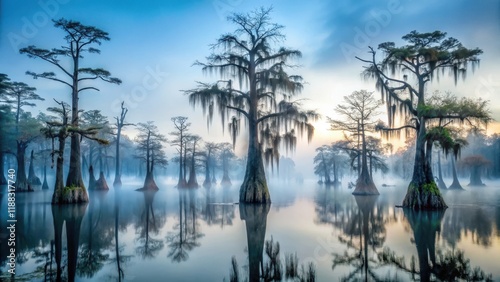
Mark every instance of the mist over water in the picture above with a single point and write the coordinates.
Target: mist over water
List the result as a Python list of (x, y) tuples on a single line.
[(193, 234)]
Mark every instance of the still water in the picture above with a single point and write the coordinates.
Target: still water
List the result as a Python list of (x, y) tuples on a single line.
[(309, 231)]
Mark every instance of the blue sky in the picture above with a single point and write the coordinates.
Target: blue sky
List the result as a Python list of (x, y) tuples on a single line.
[(158, 41)]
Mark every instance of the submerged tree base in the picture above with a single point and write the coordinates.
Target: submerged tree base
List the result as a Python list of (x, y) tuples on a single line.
[(101, 183), (455, 186), (440, 183), (424, 197), (117, 182), (148, 188), (365, 186), (254, 190), (70, 195)]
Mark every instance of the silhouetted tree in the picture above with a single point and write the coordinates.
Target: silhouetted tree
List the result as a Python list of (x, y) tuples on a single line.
[(186, 233), (27, 130), (94, 120), (193, 141), (425, 56), (59, 128), (182, 126), (79, 39), (209, 157), (475, 163), (358, 110), (248, 55), (226, 156), (19, 95), (120, 124), (148, 246), (433, 264), (322, 164), (150, 147)]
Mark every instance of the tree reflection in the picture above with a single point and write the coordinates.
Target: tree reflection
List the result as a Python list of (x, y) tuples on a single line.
[(433, 264), (92, 256), (255, 216), (72, 215), (476, 221), (119, 258), (186, 232), (148, 224), (363, 231), (218, 212)]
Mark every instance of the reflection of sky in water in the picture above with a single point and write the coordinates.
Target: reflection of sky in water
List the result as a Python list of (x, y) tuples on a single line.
[(305, 219)]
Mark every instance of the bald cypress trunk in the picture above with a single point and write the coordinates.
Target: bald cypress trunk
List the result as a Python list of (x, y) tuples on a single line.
[(207, 182), (118, 171), (456, 184), (193, 182), (101, 183), (255, 217), (45, 185), (475, 176), (74, 178), (440, 183), (423, 192), (364, 184), (226, 181), (425, 226), (92, 180), (62, 194), (254, 188), (21, 180), (33, 180), (73, 216)]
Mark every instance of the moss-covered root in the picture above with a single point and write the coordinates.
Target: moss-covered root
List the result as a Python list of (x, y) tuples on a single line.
[(255, 191), (424, 197), (70, 195)]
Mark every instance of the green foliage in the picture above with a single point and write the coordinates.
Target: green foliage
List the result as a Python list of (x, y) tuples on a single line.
[(449, 107)]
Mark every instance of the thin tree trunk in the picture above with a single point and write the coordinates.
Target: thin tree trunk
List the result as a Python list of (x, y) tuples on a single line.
[(21, 180), (456, 183), (118, 179), (33, 180), (440, 183), (364, 184), (207, 182), (149, 181), (184, 168), (193, 183), (74, 178), (180, 182), (226, 181)]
